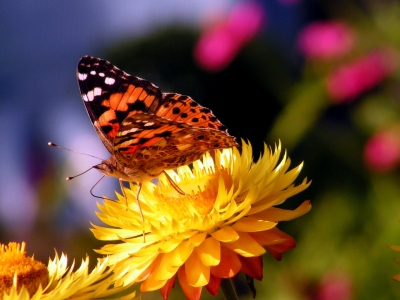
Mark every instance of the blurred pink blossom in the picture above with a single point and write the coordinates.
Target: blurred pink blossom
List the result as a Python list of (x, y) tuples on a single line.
[(347, 82), (335, 286), (218, 46), (382, 151), (325, 40)]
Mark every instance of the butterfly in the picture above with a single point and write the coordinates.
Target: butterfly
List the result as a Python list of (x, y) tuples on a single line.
[(145, 131)]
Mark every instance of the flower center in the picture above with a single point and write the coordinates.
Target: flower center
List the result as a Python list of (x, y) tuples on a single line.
[(199, 198), (30, 273)]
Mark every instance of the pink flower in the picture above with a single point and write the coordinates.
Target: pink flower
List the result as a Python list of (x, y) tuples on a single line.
[(382, 151), (335, 286), (218, 46), (325, 40), (348, 82)]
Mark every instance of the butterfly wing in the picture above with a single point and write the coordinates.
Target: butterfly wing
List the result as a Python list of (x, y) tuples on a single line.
[(153, 144), (181, 108), (110, 95)]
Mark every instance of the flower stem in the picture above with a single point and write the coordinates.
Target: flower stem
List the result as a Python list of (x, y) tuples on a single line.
[(228, 289)]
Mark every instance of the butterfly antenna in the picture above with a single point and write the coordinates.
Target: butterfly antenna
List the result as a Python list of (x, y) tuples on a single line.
[(70, 150), (72, 177)]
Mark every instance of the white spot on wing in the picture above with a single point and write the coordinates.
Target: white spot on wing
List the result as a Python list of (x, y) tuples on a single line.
[(109, 81), (97, 91), (101, 74), (149, 124), (126, 132), (81, 76), (93, 72), (85, 98), (90, 96)]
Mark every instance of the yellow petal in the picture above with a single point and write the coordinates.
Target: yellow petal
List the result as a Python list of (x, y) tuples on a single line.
[(210, 252), (278, 214), (197, 274), (248, 224), (245, 246), (197, 239), (225, 234)]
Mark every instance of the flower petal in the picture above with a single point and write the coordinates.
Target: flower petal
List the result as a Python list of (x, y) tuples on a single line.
[(229, 266), (275, 214), (213, 285), (210, 252), (275, 241), (246, 246), (197, 274), (166, 289), (248, 224), (191, 293), (197, 239), (252, 266), (225, 234)]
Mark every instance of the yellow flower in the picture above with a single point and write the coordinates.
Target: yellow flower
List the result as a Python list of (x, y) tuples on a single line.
[(223, 224), (23, 278)]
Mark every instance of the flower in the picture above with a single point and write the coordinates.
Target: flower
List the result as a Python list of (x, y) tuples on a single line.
[(382, 151), (326, 40), (348, 82), (24, 278), (223, 225), (335, 286), (218, 46)]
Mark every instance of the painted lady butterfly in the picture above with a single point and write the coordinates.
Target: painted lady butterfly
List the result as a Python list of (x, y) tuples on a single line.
[(146, 131)]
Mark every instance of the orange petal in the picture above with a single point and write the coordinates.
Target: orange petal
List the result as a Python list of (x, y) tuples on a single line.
[(278, 249), (191, 293), (151, 282), (269, 237), (166, 289), (396, 277), (275, 241), (252, 266), (164, 270), (197, 274), (229, 266), (210, 252), (246, 246), (213, 285)]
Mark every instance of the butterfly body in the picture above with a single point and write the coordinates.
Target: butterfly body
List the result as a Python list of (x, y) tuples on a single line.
[(145, 131)]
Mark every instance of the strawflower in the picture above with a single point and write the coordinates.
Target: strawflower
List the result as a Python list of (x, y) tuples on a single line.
[(349, 81), (219, 45), (382, 151), (223, 225), (335, 286), (326, 40), (22, 277)]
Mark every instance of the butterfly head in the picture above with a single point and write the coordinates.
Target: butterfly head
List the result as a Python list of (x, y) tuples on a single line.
[(115, 168)]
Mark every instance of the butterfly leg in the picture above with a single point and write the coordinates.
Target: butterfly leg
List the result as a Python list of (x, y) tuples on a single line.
[(176, 187), (173, 183), (138, 203), (137, 197)]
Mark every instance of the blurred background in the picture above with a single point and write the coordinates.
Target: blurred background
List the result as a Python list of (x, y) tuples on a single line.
[(320, 76)]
